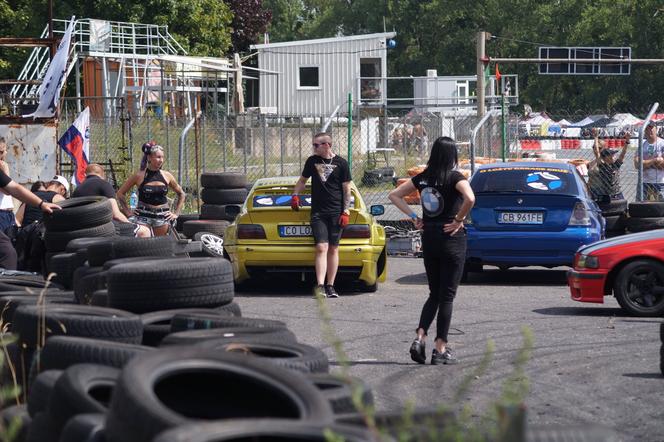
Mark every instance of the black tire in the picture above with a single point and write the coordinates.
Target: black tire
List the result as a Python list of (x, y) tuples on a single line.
[(61, 352), (84, 427), (644, 224), (216, 211), (98, 254), (125, 229), (79, 213), (83, 243), (173, 283), (339, 391), (148, 396), (42, 429), (208, 320), (76, 320), (212, 245), (266, 429), (224, 196), (639, 288), (157, 325), (646, 209), (613, 207), (11, 415), (235, 334), (41, 390), (16, 366), (57, 241), (86, 281), (82, 389), (223, 180), (10, 301), (183, 218), (63, 265), (616, 223), (218, 227), (233, 308), (99, 298), (293, 356), (661, 332), (114, 262), (23, 281), (418, 425)]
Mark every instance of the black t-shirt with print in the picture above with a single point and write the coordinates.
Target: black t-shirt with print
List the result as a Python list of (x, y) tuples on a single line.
[(440, 201), (327, 177)]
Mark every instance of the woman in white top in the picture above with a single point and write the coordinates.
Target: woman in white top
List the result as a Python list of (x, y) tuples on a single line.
[(6, 201)]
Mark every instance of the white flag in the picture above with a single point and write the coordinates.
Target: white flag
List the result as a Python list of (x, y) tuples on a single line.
[(49, 91)]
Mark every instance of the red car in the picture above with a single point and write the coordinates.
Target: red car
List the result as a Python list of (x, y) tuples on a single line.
[(630, 266)]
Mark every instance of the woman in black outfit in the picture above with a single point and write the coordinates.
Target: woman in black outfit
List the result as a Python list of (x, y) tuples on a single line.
[(153, 183), (446, 199)]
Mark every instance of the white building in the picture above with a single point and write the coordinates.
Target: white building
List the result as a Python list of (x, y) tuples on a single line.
[(313, 77)]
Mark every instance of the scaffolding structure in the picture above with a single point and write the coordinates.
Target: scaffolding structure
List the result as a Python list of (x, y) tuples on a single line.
[(141, 66)]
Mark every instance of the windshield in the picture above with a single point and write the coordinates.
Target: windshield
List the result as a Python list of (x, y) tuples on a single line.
[(539, 180)]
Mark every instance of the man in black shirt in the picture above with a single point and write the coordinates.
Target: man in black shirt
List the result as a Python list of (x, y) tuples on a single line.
[(330, 204), (95, 184), (7, 251)]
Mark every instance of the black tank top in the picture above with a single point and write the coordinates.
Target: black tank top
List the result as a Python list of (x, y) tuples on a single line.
[(153, 195), (33, 214)]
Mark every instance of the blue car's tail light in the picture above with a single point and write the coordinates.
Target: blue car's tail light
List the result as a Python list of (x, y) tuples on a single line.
[(580, 215), (250, 231)]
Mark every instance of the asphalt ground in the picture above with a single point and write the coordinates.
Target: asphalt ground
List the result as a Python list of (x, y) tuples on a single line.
[(590, 364)]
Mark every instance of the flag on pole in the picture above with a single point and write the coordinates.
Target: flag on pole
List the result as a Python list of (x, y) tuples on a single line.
[(49, 90), (76, 142), (498, 76)]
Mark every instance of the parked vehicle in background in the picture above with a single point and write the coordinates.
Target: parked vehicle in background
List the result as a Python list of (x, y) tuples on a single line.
[(268, 237), (529, 214), (630, 267)]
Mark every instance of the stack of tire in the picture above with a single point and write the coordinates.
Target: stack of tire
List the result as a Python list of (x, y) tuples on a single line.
[(219, 191), (645, 215), (83, 217), (615, 215)]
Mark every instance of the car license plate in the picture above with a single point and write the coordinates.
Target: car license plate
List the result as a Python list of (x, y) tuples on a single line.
[(520, 217), (295, 230)]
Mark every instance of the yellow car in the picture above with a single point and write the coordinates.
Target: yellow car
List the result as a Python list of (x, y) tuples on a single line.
[(267, 236)]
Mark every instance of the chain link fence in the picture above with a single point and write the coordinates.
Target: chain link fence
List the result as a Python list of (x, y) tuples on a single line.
[(382, 146)]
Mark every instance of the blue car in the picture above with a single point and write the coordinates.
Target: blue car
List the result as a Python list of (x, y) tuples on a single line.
[(529, 214)]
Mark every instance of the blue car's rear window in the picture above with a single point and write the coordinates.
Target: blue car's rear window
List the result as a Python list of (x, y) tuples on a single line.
[(525, 180)]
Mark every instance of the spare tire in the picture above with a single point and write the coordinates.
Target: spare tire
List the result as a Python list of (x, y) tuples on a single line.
[(76, 320), (183, 218), (83, 243), (157, 325), (613, 207), (224, 196), (79, 213), (98, 254), (41, 390), (644, 224), (170, 284), (57, 241), (148, 396), (646, 209), (216, 211), (84, 427), (216, 227), (268, 430), (339, 391), (223, 180), (208, 320), (236, 334)]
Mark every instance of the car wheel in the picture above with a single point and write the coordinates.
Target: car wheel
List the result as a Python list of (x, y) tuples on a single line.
[(639, 288), (213, 245)]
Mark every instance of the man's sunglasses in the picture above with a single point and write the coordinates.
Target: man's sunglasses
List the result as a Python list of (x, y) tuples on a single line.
[(319, 144)]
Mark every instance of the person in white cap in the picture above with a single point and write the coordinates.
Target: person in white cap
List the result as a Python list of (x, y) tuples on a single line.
[(56, 190)]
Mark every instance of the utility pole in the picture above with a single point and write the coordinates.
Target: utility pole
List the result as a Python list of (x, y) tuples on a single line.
[(482, 61)]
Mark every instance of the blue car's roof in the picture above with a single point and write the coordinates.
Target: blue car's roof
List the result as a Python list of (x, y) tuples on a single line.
[(527, 164)]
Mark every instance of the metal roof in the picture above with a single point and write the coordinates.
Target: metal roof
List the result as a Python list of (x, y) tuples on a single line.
[(325, 40)]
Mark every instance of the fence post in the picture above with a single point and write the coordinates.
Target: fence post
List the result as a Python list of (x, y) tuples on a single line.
[(225, 142), (281, 147), (503, 125), (350, 133), (183, 138), (264, 117)]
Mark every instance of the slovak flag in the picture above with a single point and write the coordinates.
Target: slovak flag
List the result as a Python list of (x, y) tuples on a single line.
[(76, 142)]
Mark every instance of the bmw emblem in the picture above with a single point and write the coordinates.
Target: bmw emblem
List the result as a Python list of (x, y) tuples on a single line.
[(519, 201)]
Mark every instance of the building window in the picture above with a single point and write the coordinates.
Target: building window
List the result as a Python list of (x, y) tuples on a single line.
[(308, 77)]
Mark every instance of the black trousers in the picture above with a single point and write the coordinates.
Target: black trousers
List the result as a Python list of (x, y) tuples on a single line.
[(7, 253), (444, 258)]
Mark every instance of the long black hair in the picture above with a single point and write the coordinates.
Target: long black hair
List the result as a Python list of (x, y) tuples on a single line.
[(442, 160)]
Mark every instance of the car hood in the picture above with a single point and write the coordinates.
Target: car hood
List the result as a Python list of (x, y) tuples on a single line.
[(622, 240)]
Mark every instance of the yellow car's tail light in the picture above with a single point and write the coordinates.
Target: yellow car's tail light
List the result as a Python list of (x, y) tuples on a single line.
[(250, 231), (356, 231)]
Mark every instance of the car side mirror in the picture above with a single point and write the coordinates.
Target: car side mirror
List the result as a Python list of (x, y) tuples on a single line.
[(232, 210), (377, 210)]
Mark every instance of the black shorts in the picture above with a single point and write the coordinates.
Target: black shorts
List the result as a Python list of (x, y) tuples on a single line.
[(326, 228)]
